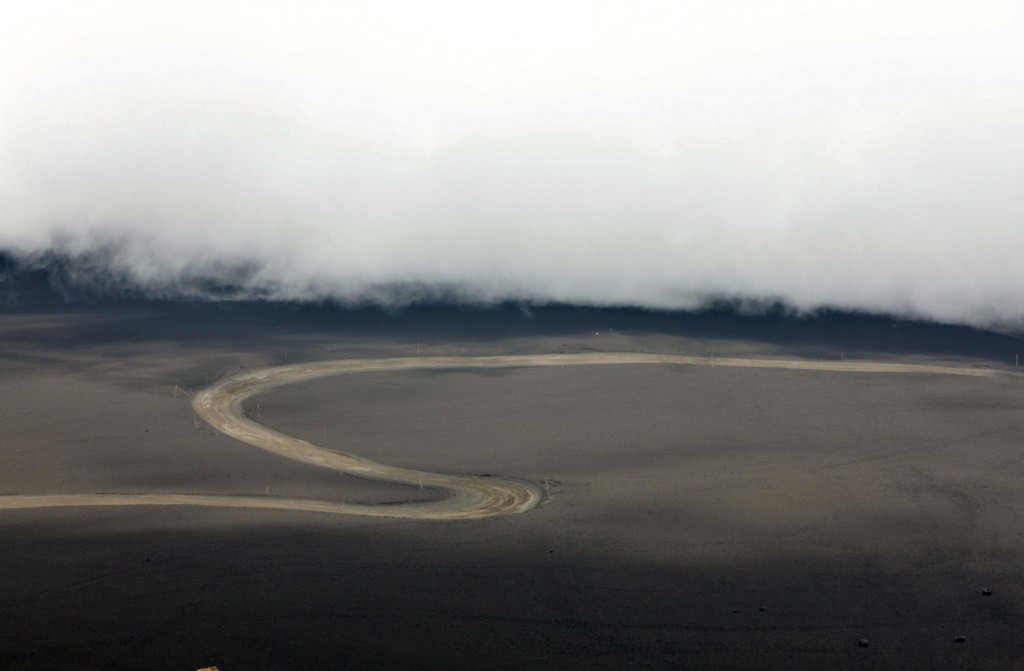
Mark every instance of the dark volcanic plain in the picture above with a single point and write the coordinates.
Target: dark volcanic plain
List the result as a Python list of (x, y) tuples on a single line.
[(699, 517)]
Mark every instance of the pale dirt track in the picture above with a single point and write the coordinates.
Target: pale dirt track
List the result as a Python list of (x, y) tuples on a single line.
[(463, 497)]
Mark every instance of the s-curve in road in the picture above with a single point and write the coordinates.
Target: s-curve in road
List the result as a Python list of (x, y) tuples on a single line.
[(461, 497)]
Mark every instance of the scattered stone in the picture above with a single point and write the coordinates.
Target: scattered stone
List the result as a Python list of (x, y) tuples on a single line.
[(735, 610), (863, 643), (762, 609), (987, 591), (959, 639)]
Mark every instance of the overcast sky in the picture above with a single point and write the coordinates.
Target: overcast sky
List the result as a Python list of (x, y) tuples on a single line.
[(854, 154)]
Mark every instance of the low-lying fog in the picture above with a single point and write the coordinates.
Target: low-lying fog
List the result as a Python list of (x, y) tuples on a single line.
[(859, 155)]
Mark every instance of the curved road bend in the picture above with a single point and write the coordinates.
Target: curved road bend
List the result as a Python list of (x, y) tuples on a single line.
[(465, 497)]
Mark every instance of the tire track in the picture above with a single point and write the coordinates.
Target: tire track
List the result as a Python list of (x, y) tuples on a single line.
[(463, 497)]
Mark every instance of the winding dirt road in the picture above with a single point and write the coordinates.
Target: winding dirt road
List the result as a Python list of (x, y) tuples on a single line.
[(462, 497)]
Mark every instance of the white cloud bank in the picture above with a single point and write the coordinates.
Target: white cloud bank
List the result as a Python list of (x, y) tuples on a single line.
[(864, 155)]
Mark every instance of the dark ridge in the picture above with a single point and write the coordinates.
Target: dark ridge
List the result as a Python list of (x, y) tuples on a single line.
[(55, 278), (107, 309)]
